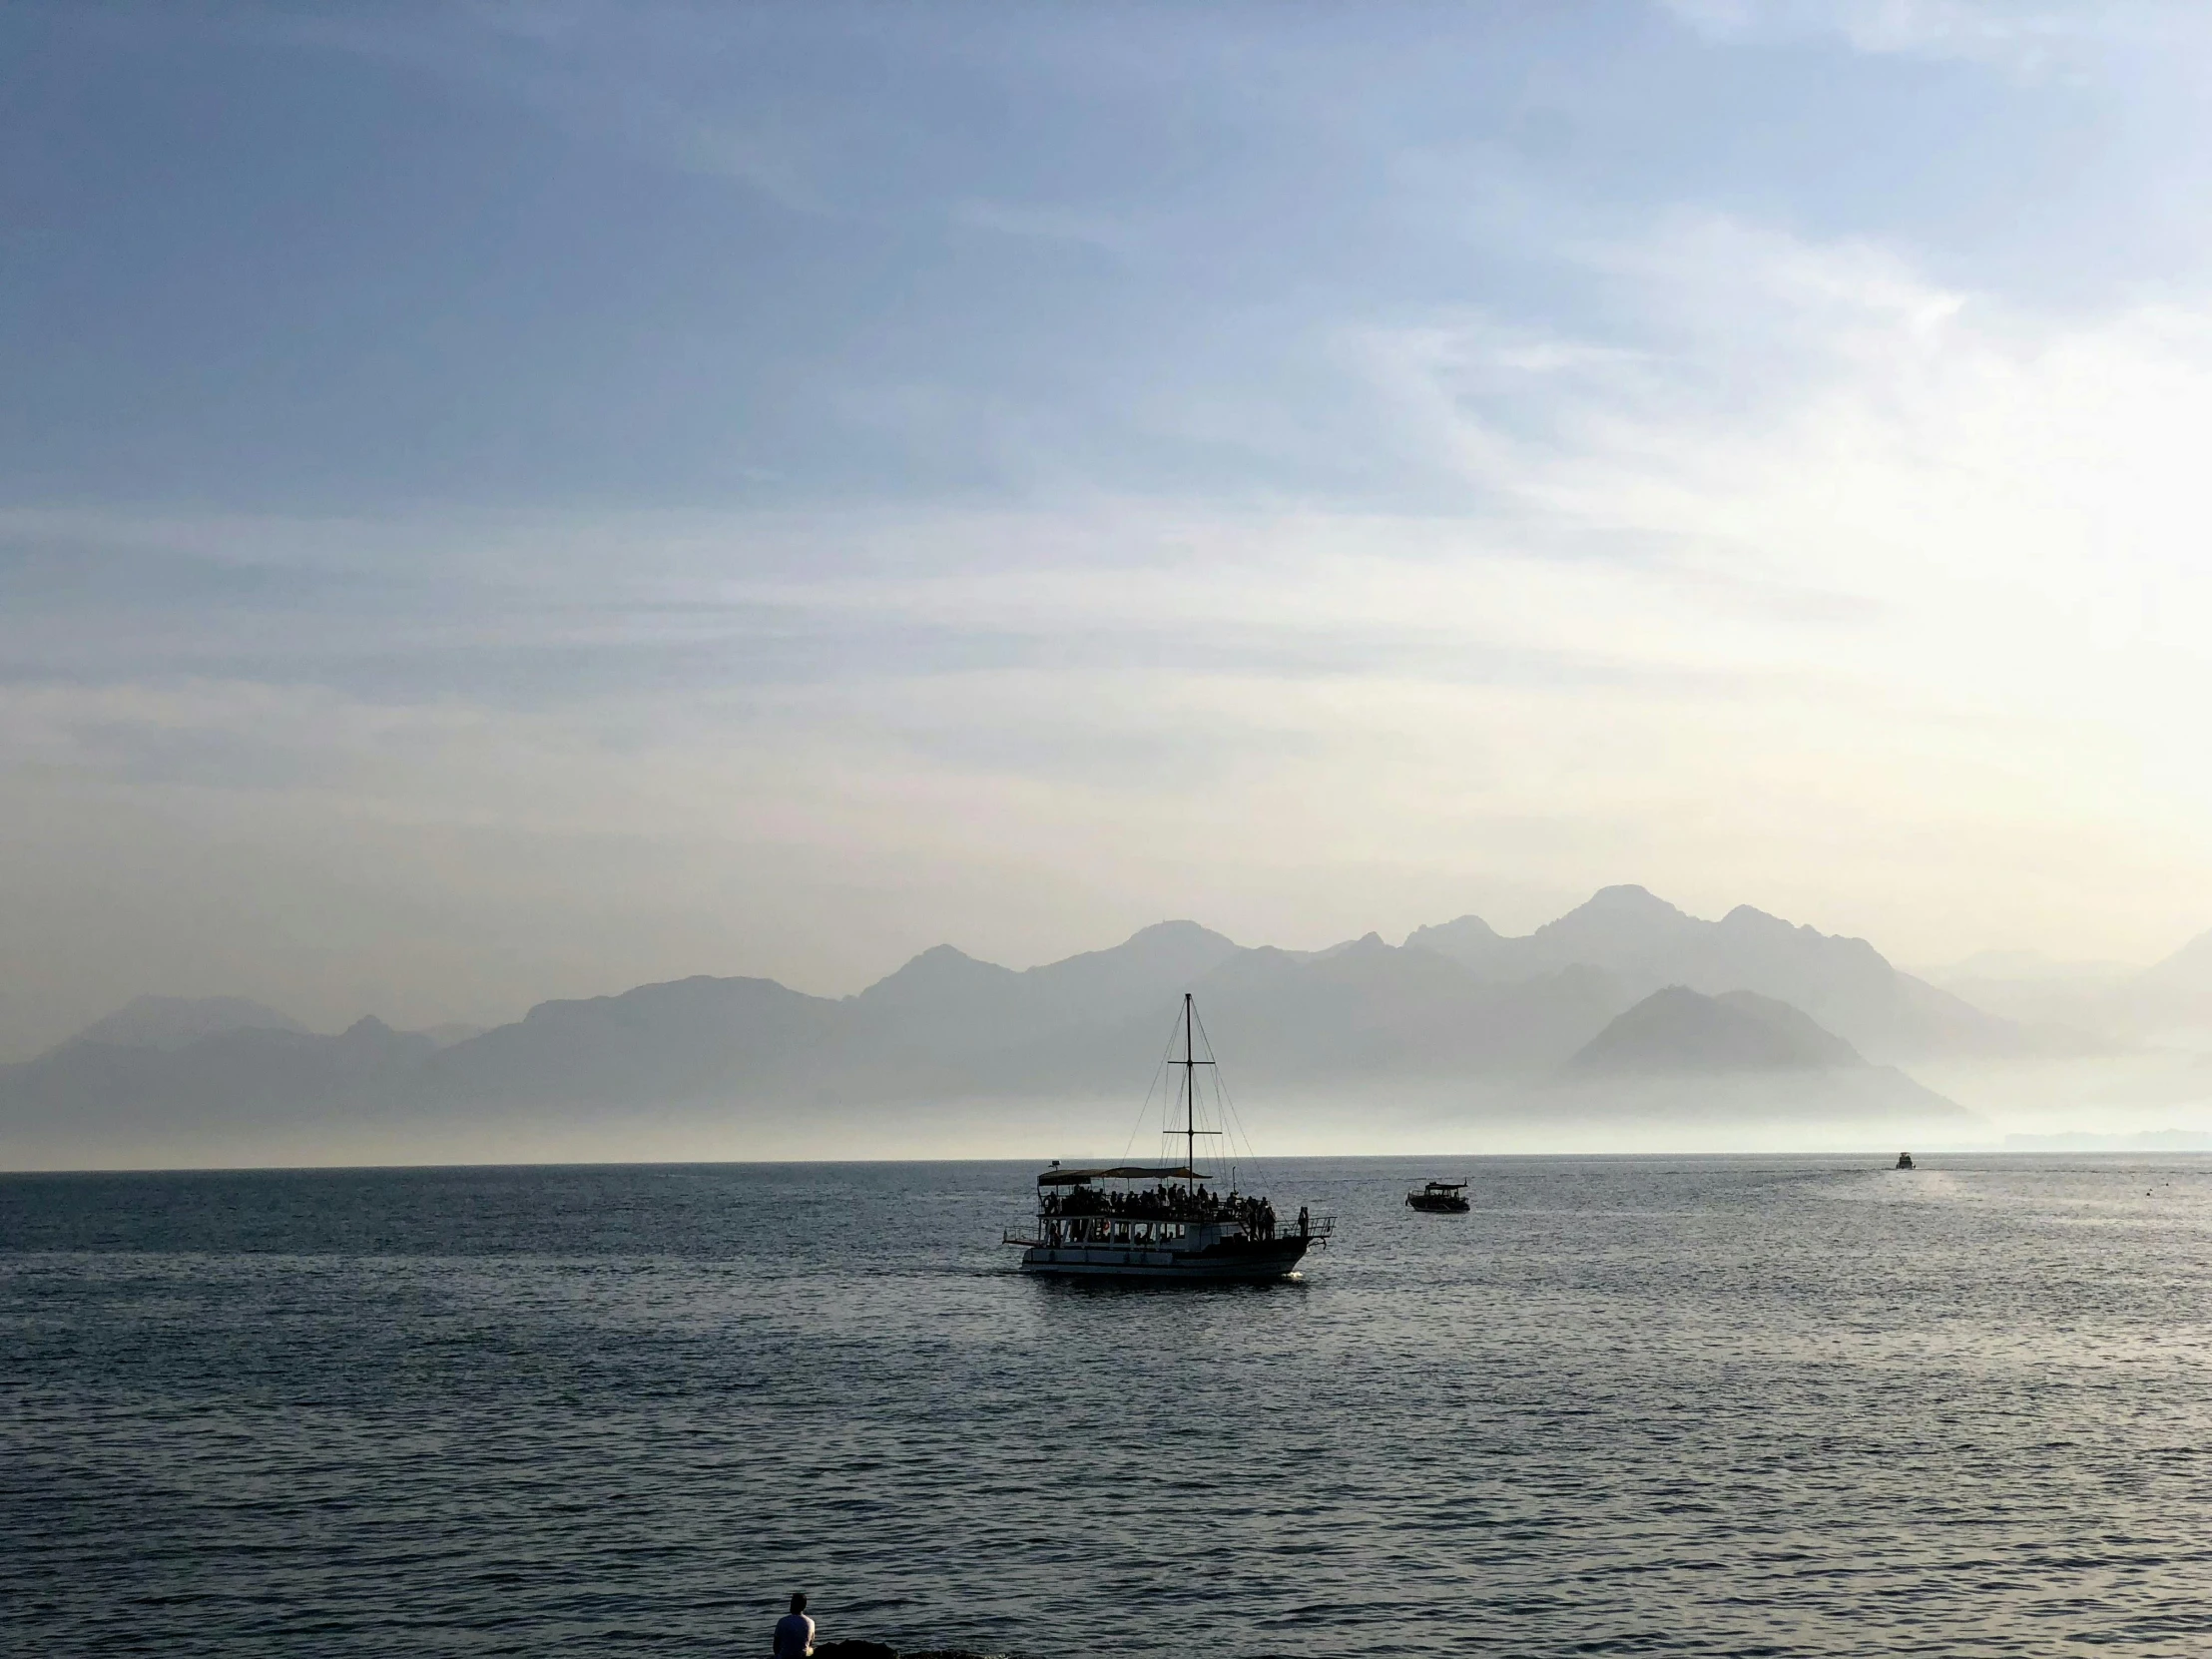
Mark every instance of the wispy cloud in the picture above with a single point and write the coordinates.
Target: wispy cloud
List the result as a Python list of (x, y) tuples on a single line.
[(1313, 476), (1050, 222), (2025, 35), (600, 71), (1876, 586)]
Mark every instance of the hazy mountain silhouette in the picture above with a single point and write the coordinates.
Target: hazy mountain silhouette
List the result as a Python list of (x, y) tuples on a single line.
[(688, 1039), (1366, 1008), (231, 1082), (173, 1021), (946, 1002), (2102, 1004), (1680, 1057), (2169, 996), (1457, 1011), (2187, 970), (1844, 985), (1474, 943), (1678, 1029)]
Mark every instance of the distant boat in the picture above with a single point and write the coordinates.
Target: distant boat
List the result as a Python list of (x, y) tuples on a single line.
[(1447, 1198), (1149, 1221), (1905, 1160)]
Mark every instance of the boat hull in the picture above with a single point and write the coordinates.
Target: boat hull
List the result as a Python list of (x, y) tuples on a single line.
[(1259, 1261)]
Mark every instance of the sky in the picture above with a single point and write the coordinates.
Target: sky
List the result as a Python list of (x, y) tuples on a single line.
[(511, 501)]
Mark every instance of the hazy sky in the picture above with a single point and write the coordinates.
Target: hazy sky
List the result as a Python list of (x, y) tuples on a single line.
[(515, 500)]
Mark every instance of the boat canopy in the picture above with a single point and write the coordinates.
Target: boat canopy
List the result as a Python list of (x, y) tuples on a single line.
[(1445, 1186), (1120, 1172)]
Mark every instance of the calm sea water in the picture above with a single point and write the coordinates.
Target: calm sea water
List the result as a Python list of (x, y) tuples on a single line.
[(1635, 1405)]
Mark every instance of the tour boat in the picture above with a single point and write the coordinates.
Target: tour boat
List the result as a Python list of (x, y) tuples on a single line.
[(1447, 1198), (1161, 1221), (1905, 1160)]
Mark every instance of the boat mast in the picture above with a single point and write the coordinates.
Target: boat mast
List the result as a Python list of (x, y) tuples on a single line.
[(1191, 1063), (1190, 1101)]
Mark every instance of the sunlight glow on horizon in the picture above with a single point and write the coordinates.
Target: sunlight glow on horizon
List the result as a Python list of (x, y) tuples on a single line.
[(1614, 522)]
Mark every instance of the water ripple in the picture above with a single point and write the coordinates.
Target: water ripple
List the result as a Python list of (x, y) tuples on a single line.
[(1627, 1406)]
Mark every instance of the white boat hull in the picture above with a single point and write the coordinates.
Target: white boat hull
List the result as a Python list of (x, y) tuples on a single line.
[(1274, 1259)]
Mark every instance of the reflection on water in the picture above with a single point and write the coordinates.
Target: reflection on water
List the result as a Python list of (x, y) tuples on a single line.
[(1693, 1405)]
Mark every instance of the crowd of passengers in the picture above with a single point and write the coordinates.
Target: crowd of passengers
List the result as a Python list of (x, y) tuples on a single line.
[(1164, 1203)]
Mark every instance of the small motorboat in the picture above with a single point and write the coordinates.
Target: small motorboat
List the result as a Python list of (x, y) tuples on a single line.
[(1447, 1198), (1905, 1160)]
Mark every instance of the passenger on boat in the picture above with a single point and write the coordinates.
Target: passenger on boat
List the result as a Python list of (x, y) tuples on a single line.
[(1165, 1202)]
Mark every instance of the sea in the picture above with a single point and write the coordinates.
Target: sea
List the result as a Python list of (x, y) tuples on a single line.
[(1627, 1405)]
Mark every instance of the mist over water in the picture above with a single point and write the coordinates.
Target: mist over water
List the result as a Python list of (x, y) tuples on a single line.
[(1663, 1405), (609, 610)]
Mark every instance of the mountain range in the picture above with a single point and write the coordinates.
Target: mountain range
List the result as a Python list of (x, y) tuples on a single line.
[(2168, 1002), (1624, 1005)]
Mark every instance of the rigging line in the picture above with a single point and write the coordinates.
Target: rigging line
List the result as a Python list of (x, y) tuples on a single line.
[(1144, 1111), (1223, 1113), (1213, 1062), (1230, 1114), (1235, 1118), (1158, 1071)]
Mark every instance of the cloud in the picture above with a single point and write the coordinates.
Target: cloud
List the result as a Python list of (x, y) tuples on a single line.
[(1050, 222), (601, 72), (2016, 34), (1517, 541), (1824, 532), (2013, 493)]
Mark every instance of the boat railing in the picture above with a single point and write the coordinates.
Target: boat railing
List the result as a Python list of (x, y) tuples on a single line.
[(1031, 1231)]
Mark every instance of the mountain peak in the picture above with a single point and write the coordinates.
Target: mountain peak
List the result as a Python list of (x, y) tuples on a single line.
[(1468, 928), (1177, 933), (1628, 896), (1675, 1030), (943, 955), (1469, 940), (1616, 919), (1748, 918), (940, 971)]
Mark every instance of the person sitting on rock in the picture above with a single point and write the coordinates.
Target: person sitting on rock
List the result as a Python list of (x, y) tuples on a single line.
[(795, 1632)]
